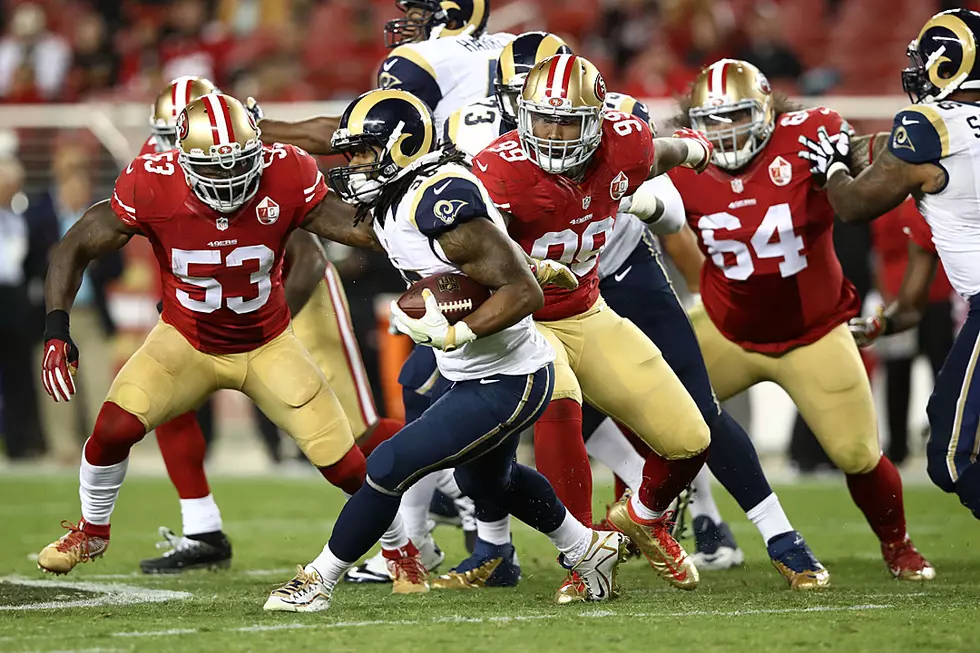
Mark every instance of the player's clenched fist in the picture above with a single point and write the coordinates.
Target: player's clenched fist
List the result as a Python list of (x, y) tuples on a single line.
[(60, 357), (867, 329), (549, 272), (699, 149)]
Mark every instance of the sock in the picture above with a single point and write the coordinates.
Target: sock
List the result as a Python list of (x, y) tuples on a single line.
[(348, 473), (330, 567), (414, 510), (396, 537), (769, 518), (98, 487), (610, 446), (571, 538), (703, 503), (664, 479), (560, 455), (183, 448), (383, 429), (879, 496), (494, 532), (735, 463), (446, 483), (115, 433), (642, 511), (200, 516)]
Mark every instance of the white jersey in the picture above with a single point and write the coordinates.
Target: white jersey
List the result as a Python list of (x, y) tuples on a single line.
[(435, 203), (948, 134), (445, 73)]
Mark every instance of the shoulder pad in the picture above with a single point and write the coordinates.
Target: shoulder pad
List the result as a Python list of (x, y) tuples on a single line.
[(919, 135), (150, 188), (447, 199), (408, 70)]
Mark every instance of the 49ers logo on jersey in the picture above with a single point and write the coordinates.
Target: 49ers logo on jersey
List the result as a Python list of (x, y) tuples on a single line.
[(619, 186), (267, 211), (780, 171)]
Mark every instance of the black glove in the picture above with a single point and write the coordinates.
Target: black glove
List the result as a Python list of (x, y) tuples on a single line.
[(827, 154)]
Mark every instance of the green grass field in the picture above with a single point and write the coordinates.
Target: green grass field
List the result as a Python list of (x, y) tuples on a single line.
[(275, 524)]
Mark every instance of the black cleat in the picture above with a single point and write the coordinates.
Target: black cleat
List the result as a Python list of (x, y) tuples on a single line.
[(188, 553)]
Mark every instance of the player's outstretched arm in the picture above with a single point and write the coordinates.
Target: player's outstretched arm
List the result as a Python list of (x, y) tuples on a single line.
[(334, 220), (488, 256), (307, 264), (312, 134), (881, 187), (686, 148), (99, 231)]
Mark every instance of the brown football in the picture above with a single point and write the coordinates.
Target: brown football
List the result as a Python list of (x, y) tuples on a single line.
[(456, 294)]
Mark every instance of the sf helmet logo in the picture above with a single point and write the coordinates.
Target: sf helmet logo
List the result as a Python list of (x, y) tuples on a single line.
[(600, 88), (556, 101), (182, 127)]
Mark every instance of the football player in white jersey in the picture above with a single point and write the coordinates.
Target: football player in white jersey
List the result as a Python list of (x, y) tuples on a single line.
[(933, 153), (432, 216)]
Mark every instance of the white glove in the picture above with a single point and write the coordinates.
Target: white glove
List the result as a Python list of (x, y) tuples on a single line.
[(866, 330), (432, 329), (828, 154), (658, 204)]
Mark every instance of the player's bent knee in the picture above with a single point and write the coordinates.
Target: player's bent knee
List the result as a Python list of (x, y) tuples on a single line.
[(688, 441), (479, 482), (383, 471), (855, 457)]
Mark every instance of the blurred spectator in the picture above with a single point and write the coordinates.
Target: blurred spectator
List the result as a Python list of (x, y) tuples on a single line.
[(700, 31), (193, 44), (627, 29), (657, 73), (95, 65), (765, 47), (33, 61), (22, 433)]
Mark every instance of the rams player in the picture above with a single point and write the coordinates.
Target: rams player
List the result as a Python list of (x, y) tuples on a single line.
[(432, 216), (932, 154)]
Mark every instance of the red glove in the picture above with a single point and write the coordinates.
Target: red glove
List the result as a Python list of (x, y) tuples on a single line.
[(699, 149), (60, 357)]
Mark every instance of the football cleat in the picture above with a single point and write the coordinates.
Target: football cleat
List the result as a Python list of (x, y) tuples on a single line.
[(793, 559), (408, 574), (593, 578), (489, 566), (715, 547), (79, 544), (905, 562), (375, 568), (653, 538), (304, 593), (187, 553)]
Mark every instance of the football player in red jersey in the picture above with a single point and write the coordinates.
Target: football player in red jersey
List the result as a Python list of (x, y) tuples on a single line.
[(218, 211), (559, 178), (775, 301)]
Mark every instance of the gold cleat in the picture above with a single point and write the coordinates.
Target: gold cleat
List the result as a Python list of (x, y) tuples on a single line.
[(811, 579), (73, 548), (653, 538), (408, 574), (905, 562), (573, 590), (470, 579)]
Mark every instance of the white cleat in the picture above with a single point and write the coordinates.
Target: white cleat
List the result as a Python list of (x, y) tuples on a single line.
[(304, 593), (593, 578)]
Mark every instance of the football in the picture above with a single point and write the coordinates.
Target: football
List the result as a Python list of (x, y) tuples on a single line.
[(456, 294)]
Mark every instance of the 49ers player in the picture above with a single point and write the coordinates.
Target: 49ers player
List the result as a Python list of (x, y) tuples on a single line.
[(218, 211), (559, 179), (775, 301)]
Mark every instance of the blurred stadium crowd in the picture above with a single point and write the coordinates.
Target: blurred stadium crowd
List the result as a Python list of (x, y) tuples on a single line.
[(66, 51)]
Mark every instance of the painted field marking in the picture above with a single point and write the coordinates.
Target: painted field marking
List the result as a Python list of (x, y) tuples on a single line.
[(111, 594)]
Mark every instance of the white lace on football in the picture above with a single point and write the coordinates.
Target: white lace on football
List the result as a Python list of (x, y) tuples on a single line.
[(458, 305)]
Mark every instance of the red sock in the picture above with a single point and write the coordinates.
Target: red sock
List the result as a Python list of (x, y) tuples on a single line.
[(560, 455), (383, 429), (664, 479), (618, 487), (183, 447), (879, 496), (348, 473), (115, 433)]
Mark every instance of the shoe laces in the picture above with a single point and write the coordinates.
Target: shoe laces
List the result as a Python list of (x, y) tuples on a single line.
[(411, 568), (574, 580), (904, 555), (75, 540), (662, 529), (301, 581)]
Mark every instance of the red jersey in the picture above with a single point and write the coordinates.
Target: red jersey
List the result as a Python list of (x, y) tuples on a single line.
[(149, 147), (556, 218), (221, 273), (773, 281), (892, 232)]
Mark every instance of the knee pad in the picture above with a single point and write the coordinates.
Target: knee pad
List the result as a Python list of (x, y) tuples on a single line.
[(383, 471), (858, 457)]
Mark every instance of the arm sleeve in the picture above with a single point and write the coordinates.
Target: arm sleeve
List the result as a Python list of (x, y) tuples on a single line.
[(313, 184), (406, 70), (447, 201), (673, 217), (919, 135), (123, 200)]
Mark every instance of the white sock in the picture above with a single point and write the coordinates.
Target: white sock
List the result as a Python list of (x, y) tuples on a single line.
[(446, 483), (414, 509), (769, 518), (330, 567), (200, 515), (98, 488), (642, 511), (396, 537), (703, 503), (494, 532), (609, 446), (572, 538)]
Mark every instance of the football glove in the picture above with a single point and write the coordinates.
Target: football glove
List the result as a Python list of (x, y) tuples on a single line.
[(253, 108), (866, 330), (432, 329), (551, 272), (699, 149), (828, 154), (60, 357)]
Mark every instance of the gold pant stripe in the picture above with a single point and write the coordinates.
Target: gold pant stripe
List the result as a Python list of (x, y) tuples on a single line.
[(958, 421)]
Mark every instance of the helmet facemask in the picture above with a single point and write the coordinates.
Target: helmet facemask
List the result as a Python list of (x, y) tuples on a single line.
[(360, 183), (164, 137), (726, 126), (400, 31), (558, 156), (225, 178), (507, 95)]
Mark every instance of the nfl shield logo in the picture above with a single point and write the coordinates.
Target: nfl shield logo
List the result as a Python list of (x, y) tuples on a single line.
[(267, 211), (586, 202), (780, 171), (619, 186), (737, 186), (221, 223)]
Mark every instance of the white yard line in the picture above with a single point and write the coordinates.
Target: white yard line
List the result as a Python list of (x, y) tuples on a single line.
[(110, 594)]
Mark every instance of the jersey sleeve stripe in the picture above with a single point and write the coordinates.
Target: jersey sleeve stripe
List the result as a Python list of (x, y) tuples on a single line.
[(937, 123), (311, 189), (126, 208), (411, 55)]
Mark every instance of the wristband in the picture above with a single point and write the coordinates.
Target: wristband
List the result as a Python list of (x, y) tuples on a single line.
[(56, 325)]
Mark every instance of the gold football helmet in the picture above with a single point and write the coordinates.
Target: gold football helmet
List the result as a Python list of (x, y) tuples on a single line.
[(219, 149), (516, 60), (731, 102), (168, 105), (564, 89)]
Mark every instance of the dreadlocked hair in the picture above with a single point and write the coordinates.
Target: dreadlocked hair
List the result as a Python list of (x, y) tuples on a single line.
[(781, 103), (393, 191)]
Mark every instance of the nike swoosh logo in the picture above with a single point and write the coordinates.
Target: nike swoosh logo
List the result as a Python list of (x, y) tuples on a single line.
[(489, 381), (129, 168), (906, 121), (622, 275), (438, 191), (600, 593), (388, 65), (482, 167)]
